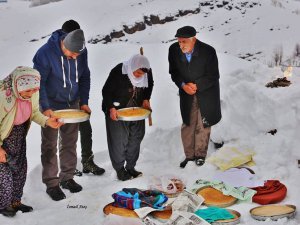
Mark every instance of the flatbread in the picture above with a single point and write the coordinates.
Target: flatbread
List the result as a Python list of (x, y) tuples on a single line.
[(132, 112), (214, 197), (110, 209), (70, 114), (272, 210), (163, 215)]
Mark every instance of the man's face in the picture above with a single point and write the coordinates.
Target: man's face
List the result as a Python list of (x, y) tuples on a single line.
[(68, 53), (186, 44)]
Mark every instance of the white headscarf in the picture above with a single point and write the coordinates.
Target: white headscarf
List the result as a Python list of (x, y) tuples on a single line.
[(134, 63)]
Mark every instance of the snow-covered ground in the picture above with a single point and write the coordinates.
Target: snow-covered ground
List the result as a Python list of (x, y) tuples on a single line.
[(249, 109)]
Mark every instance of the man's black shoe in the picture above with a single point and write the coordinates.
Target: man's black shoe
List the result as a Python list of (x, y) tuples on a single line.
[(134, 173), (71, 185), (200, 161), (55, 193), (18, 206), (184, 162), (91, 167), (8, 211), (123, 175)]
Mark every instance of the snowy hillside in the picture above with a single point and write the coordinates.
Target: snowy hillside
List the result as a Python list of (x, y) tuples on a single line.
[(245, 35)]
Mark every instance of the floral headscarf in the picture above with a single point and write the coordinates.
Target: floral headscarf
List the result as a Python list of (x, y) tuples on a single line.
[(21, 79)]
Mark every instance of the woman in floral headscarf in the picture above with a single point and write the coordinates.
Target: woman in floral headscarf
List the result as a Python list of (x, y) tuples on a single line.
[(19, 105), (129, 84)]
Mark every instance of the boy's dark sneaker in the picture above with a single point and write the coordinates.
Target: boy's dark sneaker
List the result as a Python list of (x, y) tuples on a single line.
[(91, 167), (123, 175), (55, 193), (71, 185), (134, 173), (8, 211), (18, 206), (77, 173)]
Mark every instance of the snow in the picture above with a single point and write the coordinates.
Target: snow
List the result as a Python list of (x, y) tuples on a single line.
[(249, 109)]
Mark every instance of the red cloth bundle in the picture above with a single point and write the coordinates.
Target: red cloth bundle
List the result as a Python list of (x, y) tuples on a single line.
[(272, 192)]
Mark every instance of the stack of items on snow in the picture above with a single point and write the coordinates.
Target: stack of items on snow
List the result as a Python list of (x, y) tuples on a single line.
[(282, 82), (168, 202), (279, 82)]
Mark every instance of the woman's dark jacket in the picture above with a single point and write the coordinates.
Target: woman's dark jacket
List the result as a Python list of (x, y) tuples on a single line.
[(204, 72), (118, 88)]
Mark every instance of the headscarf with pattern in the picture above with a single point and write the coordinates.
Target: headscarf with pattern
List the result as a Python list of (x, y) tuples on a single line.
[(21, 79)]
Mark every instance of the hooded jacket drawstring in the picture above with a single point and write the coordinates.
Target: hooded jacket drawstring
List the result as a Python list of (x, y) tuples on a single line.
[(76, 71), (63, 69)]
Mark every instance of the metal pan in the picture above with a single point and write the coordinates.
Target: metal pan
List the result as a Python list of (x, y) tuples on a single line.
[(234, 221), (83, 117), (133, 117), (273, 212)]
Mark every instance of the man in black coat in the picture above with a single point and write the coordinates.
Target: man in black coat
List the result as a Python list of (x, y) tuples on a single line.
[(193, 66)]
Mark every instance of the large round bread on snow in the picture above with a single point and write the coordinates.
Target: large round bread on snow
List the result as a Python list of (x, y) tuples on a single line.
[(214, 197)]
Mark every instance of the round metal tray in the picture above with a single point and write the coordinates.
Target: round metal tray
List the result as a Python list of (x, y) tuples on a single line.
[(73, 120), (133, 118), (276, 214), (234, 221), (110, 209)]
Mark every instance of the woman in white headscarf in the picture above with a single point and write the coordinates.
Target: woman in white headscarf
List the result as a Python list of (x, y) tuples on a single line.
[(19, 105), (129, 84)]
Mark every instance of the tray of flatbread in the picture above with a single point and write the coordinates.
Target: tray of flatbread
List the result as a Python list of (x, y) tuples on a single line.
[(110, 209), (133, 114), (71, 115), (233, 221), (214, 197), (273, 212), (159, 214)]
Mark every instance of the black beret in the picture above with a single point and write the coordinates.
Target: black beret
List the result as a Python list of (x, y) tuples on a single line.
[(70, 26), (186, 32)]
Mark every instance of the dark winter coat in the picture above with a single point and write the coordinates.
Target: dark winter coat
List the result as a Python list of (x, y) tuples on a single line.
[(204, 72), (118, 88), (54, 68)]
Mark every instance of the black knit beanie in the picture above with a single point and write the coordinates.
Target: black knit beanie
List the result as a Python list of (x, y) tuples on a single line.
[(70, 25)]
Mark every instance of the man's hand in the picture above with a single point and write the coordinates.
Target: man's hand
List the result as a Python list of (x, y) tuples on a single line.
[(190, 88), (2, 155), (113, 114), (86, 108), (146, 105), (48, 113), (53, 123), (193, 86)]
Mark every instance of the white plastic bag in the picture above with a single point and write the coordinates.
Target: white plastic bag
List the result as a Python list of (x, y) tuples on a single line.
[(167, 184)]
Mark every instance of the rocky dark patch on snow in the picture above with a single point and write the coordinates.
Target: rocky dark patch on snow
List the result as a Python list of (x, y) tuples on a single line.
[(204, 7), (273, 132), (279, 82), (249, 56), (168, 41), (33, 40)]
